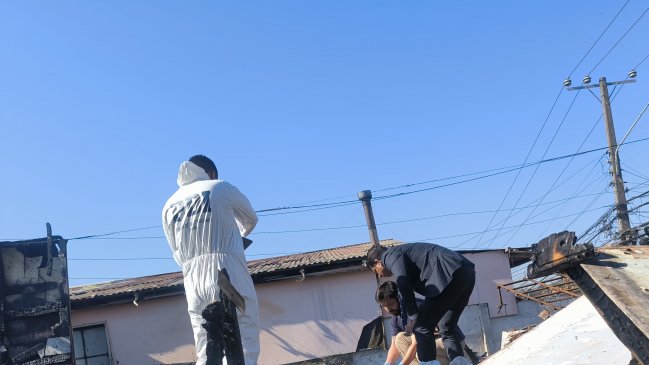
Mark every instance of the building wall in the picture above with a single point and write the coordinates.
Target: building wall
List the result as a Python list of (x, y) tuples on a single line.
[(492, 268), (156, 331), (300, 320), (315, 317)]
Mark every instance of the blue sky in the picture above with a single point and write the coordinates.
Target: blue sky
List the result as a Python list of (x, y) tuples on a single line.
[(300, 102)]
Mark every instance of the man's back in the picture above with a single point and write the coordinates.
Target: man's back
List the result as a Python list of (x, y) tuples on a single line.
[(204, 217), (428, 267)]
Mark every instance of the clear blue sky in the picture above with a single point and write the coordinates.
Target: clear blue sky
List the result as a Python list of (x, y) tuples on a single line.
[(300, 101)]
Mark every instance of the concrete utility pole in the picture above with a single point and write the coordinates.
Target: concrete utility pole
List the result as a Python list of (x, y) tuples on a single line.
[(365, 196), (614, 159)]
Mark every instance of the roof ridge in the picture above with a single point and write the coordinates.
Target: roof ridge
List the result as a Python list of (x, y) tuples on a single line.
[(325, 250)]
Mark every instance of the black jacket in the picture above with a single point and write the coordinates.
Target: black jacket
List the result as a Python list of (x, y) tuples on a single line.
[(424, 268)]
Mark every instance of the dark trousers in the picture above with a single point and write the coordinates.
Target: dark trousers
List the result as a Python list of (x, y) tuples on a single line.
[(444, 312)]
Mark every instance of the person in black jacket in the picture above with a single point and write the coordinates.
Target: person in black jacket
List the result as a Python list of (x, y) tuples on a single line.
[(445, 279)]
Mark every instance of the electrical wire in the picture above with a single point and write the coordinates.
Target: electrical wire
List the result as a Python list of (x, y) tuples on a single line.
[(536, 204), (563, 171), (502, 172), (641, 62), (526, 224), (536, 139), (332, 205), (114, 233), (618, 41), (542, 157), (579, 190), (598, 38), (511, 229)]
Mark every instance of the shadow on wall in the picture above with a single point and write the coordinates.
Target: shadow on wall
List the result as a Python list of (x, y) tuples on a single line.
[(287, 346)]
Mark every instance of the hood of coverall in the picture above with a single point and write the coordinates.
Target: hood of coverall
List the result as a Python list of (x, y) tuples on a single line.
[(189, 172)]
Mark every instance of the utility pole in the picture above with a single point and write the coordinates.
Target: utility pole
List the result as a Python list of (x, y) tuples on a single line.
[(614, 159), (365, 197)]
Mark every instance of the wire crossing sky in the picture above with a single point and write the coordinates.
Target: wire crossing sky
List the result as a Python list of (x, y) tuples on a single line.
[(441, 109)]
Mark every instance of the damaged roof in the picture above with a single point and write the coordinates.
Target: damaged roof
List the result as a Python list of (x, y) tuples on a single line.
[(575, 335), (263, 270)]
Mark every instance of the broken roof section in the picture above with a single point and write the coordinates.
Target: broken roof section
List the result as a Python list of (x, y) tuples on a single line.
[(575, 335), (613, 279), (554, 291)]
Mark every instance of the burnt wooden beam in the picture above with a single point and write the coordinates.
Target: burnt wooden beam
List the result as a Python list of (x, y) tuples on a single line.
[(616, 284)]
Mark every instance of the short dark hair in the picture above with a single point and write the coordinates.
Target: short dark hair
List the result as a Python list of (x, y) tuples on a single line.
[(387, 290), (204, 162), (374, 254)]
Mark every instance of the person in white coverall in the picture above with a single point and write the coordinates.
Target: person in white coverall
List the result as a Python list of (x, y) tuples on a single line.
[(204, 221)]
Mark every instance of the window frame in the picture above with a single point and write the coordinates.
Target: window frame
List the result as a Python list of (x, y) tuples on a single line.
[(88, 326)]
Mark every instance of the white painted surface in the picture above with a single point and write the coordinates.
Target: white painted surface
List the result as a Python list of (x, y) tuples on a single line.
[(576, 335), (156, 331), (492, 268), (316, 317)]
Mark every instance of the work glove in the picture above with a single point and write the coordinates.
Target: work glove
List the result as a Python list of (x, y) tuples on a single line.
[(412, 321)]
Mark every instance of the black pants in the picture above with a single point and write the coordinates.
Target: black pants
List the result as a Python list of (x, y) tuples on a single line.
[(444, 312)]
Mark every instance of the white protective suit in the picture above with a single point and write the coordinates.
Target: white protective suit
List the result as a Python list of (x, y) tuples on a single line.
[(203, 222)]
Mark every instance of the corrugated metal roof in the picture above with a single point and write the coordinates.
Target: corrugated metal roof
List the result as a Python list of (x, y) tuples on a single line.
[(303, 260), (268, 269), (124, 286), (256, 268)]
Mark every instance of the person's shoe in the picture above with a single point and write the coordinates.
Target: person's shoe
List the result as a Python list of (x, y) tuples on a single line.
[(460, 360), (432, 362)]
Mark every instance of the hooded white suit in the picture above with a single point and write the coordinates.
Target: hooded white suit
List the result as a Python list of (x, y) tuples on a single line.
[(204, 221)]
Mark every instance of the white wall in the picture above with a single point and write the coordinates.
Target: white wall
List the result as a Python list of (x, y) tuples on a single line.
[(492, 268), (156, 331), (317, 317)]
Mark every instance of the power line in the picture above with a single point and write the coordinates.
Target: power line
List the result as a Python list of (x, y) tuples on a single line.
[(587, 207), (361, 225), (619, 40), (542, 157), (493, 230), (580, 190), (629, 169), (562, 171), (114, 233), (447, 178), (416, 219), (536, 203), (641, 62), (165, 258), (292, 253), (307, 206), (524, 162), (505, 171), (508, 230), (124, 238), (306, 209), (344, 203), (120, 259), (598, 38)]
